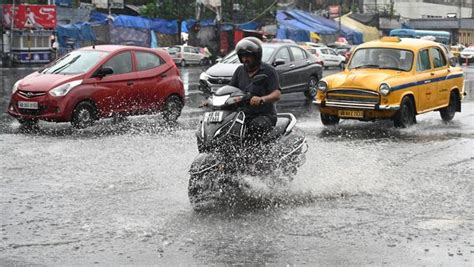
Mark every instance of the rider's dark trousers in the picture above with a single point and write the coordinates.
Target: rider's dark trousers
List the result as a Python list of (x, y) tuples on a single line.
[(259, 126)]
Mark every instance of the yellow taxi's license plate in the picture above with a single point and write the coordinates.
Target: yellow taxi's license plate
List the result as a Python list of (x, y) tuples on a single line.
[(350, 113)]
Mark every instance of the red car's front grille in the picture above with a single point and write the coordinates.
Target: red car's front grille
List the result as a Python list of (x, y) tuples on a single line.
[(30, 94)]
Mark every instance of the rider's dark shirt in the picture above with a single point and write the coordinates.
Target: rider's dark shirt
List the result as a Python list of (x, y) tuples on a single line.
[(242, 80)]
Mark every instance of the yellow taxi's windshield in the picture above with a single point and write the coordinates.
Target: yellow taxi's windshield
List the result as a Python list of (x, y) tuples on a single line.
[(382, 58)]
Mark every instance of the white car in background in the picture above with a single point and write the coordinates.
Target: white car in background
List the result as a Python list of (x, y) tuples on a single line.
[(184, 55), (330, 57), (467, 55)]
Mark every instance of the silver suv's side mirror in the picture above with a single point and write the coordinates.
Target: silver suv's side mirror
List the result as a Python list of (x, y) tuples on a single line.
[(278, 62)]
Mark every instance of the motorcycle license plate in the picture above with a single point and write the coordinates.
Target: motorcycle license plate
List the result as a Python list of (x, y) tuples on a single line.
[(350, 113), (215, 116), (27, 105)]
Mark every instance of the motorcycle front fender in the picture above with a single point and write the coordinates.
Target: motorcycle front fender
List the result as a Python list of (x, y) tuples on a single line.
[(204, 162)]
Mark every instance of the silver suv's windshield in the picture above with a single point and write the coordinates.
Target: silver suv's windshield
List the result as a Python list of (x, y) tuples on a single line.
[(75, 62), (382, 58), (232, 58)]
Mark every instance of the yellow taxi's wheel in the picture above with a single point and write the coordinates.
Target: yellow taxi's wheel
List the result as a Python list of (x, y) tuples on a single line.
[(447, 113), (405, 116), (329, 120)]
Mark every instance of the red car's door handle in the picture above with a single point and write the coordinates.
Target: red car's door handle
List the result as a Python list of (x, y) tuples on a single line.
[(130, 83), (163, 75)]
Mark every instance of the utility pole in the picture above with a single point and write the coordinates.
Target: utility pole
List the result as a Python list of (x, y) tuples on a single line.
[(11, 31), (459, 20)]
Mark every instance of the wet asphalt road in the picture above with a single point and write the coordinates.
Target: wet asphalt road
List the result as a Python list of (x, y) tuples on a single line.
[(369, 194)]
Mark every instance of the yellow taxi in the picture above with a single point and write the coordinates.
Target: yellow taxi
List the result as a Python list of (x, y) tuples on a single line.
[(456, 50), (392, 78)]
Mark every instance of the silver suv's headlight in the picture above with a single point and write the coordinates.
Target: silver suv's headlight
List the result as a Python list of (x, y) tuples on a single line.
[(322, 86), (15, 86), (64, 88), (203, 76), (384, 89)]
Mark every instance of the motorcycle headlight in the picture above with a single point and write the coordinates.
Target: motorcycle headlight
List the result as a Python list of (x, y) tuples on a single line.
[(218, 101), (233, 100), (384, 89), (322, 86), (204, 76), (15, 86), (64, 88)]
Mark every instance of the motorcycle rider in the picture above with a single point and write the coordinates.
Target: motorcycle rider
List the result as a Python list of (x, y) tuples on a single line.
[(261, 115)]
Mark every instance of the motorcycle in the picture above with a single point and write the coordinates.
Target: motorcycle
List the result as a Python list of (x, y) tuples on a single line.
[(226, 155)]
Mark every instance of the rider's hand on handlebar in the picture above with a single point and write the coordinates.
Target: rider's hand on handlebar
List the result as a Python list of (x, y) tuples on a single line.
[(204, 103), (256, 101)]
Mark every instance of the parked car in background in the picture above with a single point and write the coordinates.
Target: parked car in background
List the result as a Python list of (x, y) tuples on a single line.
[(330, 57), (98, 82), (467, 55), (312, 50), (297, 69), (392, 78), (184, 55)]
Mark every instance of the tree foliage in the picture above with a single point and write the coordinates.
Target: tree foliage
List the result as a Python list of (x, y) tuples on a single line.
[(169, 9)]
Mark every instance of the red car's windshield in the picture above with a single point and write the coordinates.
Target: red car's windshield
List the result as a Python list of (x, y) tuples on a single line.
[(76, 62)]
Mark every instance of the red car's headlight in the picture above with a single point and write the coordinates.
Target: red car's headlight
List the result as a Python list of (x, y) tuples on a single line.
[(64, 88)]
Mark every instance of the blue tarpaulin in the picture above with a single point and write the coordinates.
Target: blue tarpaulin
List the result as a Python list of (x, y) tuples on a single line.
[(132, 22), (291, 22), (248, 26), (292, 34), (164, 26), (351, 35), (293, 29), (98, 17), (76, 32), (209, 23), (159, 25)]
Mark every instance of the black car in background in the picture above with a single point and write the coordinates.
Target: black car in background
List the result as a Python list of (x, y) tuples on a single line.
[(297, 69)]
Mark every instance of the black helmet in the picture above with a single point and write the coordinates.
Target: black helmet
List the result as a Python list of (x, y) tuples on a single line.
[(249, 46)]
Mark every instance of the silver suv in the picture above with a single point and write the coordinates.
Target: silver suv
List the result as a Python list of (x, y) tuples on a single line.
[(297, 69)]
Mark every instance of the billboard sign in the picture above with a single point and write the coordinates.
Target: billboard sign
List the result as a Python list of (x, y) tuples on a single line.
[(29, 16)]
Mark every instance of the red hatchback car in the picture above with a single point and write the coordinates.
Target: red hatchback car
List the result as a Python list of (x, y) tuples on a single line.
[(97, 82)]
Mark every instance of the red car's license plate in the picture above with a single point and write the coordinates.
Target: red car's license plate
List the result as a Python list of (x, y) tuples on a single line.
[(27, 105)]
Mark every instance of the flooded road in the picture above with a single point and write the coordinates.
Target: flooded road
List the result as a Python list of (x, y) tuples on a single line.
[(369, 194)]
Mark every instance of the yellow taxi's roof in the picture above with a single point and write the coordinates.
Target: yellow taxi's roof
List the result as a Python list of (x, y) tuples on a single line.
[(404, 43)]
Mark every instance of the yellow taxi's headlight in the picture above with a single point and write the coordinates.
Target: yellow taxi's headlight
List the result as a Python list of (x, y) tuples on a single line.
[(384, 89), (322, 86)]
